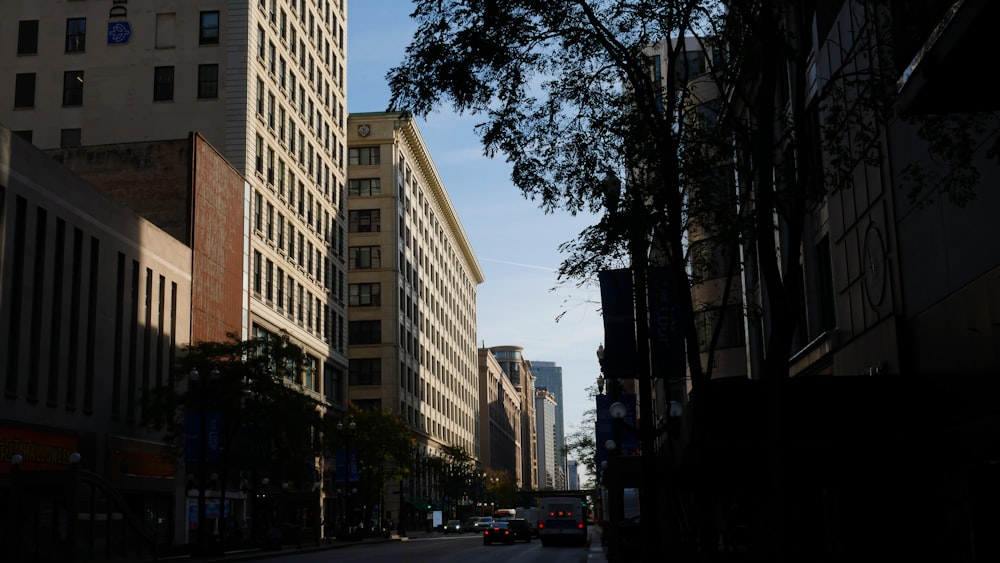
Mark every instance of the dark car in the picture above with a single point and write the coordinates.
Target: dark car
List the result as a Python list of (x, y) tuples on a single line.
[(519, 528), (453, 527), (498, 532)]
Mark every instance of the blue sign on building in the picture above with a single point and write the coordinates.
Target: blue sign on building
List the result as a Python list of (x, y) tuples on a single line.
[(119, 33)]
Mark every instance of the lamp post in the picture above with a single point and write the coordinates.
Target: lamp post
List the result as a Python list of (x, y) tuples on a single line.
[(200, 393), (14, 510), (347, 430)]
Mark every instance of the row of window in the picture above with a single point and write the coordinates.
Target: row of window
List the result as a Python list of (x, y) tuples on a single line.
[(163, 82), (68, 138), (73, 82), (294, 245), (76, 33), (271, 284)]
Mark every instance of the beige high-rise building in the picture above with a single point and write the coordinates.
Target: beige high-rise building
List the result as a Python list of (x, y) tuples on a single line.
[(263, 81), (412, 283)]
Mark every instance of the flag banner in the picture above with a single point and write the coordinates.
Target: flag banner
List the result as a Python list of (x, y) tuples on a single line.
[(666, 342), (619, 323)]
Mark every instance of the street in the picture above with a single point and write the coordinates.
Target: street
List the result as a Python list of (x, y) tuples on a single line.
[(467, 548)]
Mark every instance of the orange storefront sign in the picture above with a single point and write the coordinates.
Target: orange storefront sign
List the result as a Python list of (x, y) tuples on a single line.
[(38, 450)]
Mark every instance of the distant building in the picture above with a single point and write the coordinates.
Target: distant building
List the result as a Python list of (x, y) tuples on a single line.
[(499, 421), (550, 376), (518, 369), (572, 476), (550, 475)]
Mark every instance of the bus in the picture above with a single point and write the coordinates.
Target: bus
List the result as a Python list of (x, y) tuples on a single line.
[(562, 520)]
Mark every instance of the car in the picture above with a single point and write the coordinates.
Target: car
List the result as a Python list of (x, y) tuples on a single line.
[(519, 528), (497, 532), (483, 524), (470, 524), (453, 527)]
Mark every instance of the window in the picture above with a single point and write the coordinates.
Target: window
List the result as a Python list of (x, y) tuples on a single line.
[(365, 257), (270, 165), (270, 110), (163, 83), (365, 186), (73, 88), (25, 134), (76, 35), (365, 294), (165, 26), (69, 138), (208, 31), (259, 157), (260, 42), (365, 371), (208, 81), (24, 90), (257, 274), (27, 37), (364, 332), (268, 283), (365, 221), (363, 155), (260, 97)]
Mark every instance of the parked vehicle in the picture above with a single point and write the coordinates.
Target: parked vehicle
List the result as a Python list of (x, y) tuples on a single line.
[(561, 520), (519, 529), (497, 532), (453, 527)]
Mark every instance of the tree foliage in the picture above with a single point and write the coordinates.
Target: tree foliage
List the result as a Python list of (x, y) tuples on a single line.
[(267, 424)]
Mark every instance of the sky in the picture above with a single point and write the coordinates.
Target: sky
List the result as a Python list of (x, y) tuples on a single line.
[(521, 302)]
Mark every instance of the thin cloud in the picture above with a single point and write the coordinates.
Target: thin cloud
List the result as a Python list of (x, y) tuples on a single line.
[(546, 268)]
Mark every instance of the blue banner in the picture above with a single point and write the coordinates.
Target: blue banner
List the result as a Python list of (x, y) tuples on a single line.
[(353, 476), (603, 431), (666, 326), (619, 324), (193, 432)]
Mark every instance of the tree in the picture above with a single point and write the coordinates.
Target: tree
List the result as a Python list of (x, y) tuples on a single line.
[(568, 98), (384, 445), (266, 427)]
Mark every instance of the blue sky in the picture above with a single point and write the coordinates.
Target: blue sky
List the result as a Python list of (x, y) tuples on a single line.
[(515, 242)]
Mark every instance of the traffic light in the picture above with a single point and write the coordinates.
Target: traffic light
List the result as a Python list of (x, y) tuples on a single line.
[(428, 507)]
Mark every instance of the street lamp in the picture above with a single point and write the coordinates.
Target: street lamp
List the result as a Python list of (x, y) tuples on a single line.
[(347, 430)]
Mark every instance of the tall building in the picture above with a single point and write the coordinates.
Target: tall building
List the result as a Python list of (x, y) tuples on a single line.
[(261, 81), (549, 376), (412, 279), (572, 476), (550, 474), (518, 370)]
